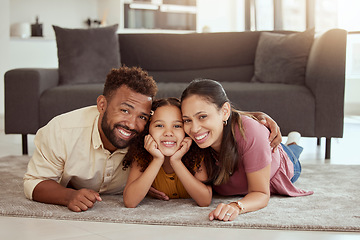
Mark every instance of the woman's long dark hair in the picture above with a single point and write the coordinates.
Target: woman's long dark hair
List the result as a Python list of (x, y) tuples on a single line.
[(228, 158), (192, 159)]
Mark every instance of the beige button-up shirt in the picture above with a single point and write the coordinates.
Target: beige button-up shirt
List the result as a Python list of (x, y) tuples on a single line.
[(69, 151)]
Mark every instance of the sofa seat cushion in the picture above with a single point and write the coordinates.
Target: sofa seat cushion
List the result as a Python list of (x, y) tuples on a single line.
[(275, 99), (65, 98)]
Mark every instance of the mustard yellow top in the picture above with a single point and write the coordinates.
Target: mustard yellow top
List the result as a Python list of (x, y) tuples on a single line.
[(170, 184)]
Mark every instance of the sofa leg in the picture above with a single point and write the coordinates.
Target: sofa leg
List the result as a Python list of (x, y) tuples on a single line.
[(24, 144), (328, 148)]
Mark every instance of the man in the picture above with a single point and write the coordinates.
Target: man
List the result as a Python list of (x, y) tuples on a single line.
[(79, 154)]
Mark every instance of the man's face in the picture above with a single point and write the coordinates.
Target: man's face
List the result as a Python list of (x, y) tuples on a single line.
[(124, 116)]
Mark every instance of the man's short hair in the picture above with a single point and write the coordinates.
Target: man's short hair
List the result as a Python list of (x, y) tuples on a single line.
[(134, 78)]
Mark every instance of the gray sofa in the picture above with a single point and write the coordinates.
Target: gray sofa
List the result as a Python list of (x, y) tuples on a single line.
[(314, 108)]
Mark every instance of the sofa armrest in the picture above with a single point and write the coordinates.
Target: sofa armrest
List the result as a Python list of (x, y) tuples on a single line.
[(23, 88), (325, 76)]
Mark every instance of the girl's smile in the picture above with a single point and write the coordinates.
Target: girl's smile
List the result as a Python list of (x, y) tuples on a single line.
[(166, 127)]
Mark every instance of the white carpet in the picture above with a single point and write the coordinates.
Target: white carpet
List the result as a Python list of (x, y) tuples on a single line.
[(333, 207)]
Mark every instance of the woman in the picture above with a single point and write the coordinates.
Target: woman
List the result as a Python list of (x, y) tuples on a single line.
[(242, 160)]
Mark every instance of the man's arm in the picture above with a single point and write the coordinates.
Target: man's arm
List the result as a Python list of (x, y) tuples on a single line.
[(46, 168), (49, 191), (275, 137)]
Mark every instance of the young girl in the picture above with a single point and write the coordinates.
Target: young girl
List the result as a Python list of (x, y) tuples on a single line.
[(163, 157), (242, 161)]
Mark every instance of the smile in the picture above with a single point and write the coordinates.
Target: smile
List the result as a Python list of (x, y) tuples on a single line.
[(169, 143), (124, 133), (201, 138)]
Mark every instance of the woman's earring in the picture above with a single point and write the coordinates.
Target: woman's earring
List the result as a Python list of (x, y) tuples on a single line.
[(225, 122)]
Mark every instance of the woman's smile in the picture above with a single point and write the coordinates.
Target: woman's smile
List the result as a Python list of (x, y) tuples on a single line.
[(201, 138), (203, 121)]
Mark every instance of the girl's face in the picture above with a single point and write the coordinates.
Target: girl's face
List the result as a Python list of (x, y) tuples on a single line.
[(203, 122), (166, 127)]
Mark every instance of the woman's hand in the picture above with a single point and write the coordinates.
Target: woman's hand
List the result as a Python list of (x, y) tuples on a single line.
[(224, 212), (152, 147), (184, 148)]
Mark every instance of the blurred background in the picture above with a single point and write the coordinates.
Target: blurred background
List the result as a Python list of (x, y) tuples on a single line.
[(20, 48)]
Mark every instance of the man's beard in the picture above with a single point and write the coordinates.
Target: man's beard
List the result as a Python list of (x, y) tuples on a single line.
[(111, 135)]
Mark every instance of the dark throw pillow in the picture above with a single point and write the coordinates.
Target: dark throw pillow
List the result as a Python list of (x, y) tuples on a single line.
[(282, 58), (86, 55)]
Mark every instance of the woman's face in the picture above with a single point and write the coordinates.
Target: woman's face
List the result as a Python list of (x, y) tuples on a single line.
[(203, 122), (166, 127)]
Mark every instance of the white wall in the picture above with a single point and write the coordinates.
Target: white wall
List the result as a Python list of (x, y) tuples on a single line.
[(220, 16), (42, 53), (16, 52), (352, 84), (4, 47), (64, 13), (352, 96), (111, 11)]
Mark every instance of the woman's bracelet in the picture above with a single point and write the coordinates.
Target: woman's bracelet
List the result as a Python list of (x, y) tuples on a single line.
[(241, 207)]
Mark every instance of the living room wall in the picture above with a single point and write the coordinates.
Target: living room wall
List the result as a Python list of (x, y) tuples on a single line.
[(18, 52), (4, 48)]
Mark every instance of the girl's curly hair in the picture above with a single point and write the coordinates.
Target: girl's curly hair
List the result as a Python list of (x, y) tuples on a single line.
[(191, 159)]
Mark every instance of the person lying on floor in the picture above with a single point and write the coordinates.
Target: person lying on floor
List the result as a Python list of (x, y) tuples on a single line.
[(242, 162), (78, 155), (164, 158)]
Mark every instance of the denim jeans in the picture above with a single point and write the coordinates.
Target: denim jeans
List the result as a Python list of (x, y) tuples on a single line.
[(294, 151)]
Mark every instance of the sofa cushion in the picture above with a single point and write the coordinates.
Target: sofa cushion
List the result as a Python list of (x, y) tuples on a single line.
[(282, 58), (86, 55)]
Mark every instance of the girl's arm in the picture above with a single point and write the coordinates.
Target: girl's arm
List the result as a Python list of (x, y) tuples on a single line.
[(139, 183), (201, 193), (258, 197)]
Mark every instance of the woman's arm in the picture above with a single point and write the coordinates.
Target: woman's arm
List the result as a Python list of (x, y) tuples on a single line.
[(201, 193), (258, 197)]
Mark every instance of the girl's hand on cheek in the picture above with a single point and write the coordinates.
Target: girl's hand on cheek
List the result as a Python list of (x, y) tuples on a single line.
[(184, 148), (152, 147)]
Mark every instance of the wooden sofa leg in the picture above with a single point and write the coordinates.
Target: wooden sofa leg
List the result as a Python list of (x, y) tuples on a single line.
[(24, 144), (328, 148)]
